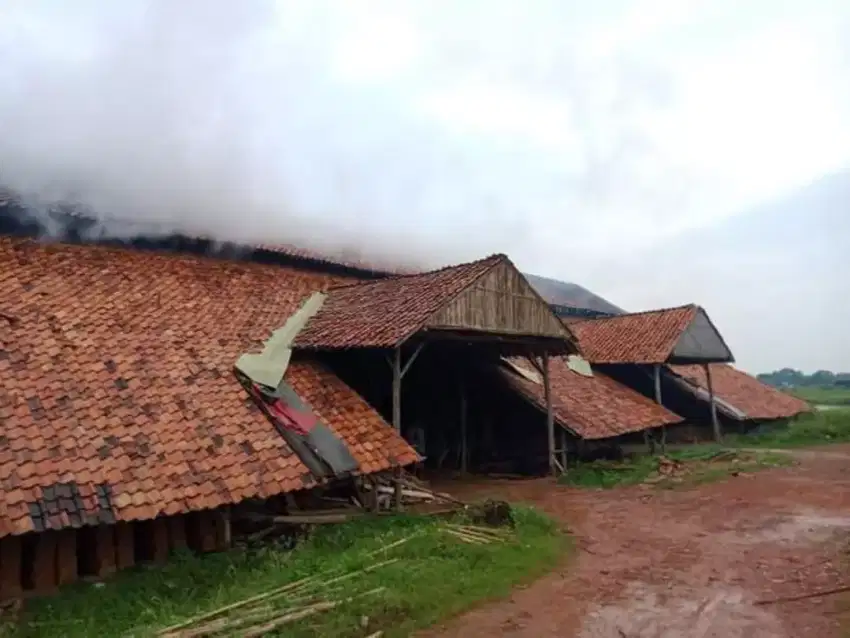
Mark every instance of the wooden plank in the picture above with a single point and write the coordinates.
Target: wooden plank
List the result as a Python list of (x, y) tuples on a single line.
[(10, 567), (464, 444), (44, 577), (66, 557), (397, 419), (125, 546)]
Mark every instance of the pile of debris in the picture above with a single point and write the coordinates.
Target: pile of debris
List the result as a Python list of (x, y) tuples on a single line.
[(292, 515)]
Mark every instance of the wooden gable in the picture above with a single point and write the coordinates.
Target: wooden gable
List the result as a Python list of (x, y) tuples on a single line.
[(500, 301)]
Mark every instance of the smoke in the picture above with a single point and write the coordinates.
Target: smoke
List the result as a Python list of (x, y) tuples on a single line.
[(220, 119)]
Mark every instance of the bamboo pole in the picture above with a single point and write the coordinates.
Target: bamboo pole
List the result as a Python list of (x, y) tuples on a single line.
[(464, 445), (715, 423), (661, 403), (550, 417)]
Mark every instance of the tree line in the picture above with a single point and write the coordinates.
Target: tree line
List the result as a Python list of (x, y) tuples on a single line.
[(789, 377)]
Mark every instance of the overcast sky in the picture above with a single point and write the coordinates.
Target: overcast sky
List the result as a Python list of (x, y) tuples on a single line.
[(589, 141)]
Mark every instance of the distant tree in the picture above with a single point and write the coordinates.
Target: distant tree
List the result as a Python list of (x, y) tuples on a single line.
[(789, 377)]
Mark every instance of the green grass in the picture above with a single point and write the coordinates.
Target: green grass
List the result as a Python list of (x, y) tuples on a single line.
[(818, 428), (823, 395), (702, 464), (436, 577)]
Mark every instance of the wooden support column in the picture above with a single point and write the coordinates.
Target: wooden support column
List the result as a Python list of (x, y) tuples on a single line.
[(222, 528), (104, 551), (661, 403), (464, 446), (398, 375), (10, 567), (715, 424), (159, 539), (66, 557), (397, 419), (550, 416), (563, 448), (125, 545), (177, 533), (43, 576)]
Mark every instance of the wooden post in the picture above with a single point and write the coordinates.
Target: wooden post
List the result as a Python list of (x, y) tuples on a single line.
[(10, 567), (464, 449), (563, 448), (397, 418), (104, 550), (550, 416), (661, 403), (66, 556), (177, 533), (44, 577), (125, 545), (715, 424)]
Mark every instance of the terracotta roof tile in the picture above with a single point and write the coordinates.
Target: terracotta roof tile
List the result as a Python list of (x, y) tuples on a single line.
[(594, 407), (373, 443), (643, 337), (384, 313), (117, 371), (752, 397)]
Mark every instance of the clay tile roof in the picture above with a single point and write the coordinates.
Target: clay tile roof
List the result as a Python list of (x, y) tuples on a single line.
[(643, 337), (117, 371), (594, 407), (752, 397), (384, 313)]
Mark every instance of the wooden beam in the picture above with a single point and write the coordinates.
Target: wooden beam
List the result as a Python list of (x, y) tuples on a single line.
[(550, 415), (44, 577), (411, 359), (125, 545), (397, 418), (661, 403), (563, 448), (66, 556), (715, 423), (464, 448)]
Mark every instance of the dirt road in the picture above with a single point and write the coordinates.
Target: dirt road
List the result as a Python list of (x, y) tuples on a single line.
[(689, 563)]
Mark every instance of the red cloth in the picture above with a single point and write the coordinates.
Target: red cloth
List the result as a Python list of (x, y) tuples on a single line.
[(288, 416)]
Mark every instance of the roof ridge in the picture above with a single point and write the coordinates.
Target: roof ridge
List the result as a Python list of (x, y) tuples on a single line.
[(640, 312), (427, 273)]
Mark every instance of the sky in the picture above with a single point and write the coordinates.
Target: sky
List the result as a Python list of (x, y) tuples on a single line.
[(592, 142)]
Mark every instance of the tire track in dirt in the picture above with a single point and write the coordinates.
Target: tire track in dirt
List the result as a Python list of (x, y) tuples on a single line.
[(683, 563)]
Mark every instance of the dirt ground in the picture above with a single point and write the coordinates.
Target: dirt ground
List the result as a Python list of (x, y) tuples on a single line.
[(686, 563)]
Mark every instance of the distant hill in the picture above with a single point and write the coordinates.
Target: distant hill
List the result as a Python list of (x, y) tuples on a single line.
[(567, 294)]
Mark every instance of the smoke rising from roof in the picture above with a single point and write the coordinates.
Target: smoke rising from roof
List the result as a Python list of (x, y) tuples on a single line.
[(221, 119)]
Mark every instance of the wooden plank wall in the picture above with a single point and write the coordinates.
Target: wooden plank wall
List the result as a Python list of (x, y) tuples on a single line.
[(501, 301)]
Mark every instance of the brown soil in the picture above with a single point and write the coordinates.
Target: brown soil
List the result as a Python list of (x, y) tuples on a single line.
[(684, 563)]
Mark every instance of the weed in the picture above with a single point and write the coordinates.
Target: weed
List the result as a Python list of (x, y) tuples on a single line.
[(437, 576)]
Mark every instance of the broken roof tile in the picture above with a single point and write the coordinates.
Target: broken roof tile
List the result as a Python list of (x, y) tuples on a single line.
[(158, 317)]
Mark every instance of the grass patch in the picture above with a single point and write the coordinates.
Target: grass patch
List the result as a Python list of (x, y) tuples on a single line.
[(436, 576), (689, 465), (818, 428), (823, 395)]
